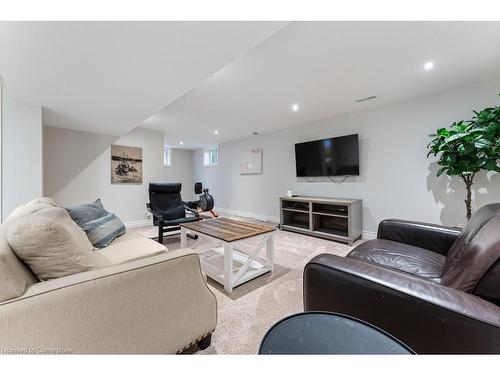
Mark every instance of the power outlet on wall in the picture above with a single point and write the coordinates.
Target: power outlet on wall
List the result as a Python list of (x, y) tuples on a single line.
[(148, 215)]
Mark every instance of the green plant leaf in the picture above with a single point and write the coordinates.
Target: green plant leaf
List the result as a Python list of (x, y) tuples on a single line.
[(467, 147), (441, 170), (490, 165), (483, 143)]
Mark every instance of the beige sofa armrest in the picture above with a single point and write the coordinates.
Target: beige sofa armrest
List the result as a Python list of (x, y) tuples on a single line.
[(159, 304)]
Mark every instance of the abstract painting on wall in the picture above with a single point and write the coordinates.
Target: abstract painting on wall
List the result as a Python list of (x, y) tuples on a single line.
[(251, 161), (126, 165)]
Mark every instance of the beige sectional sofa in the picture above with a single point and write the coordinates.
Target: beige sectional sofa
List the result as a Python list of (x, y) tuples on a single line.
[(142, 299)]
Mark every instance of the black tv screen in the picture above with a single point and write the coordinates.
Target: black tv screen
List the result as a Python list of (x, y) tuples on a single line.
[(337, 156)]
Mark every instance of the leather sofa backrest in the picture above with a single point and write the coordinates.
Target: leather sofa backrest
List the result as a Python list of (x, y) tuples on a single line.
[(489, 285), (474, 253)]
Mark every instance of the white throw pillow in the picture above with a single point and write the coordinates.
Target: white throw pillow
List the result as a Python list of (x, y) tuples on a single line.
[(51, 243)]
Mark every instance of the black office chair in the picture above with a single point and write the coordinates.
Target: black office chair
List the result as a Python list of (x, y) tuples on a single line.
[(168, 209)]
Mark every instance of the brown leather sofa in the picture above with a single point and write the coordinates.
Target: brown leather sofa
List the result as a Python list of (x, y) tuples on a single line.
[(435, 288)]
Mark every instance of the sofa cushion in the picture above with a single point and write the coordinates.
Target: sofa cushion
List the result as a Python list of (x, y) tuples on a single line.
[(84, 213), (103, 230), (174, 213), (476, 260), (15, 276), (51, 243), (475, 251), (402, 257), (32, 206), (42, 201), (128, 248)]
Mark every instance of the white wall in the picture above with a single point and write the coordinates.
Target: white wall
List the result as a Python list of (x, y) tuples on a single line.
[(78, 169), (396, 179), (22, 167), (182, 171)]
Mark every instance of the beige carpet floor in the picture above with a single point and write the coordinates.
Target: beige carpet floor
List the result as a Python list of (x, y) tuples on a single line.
[(244, 318)]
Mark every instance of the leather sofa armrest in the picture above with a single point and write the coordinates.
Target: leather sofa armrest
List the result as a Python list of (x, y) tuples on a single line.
[(437, 238), (428, 317)]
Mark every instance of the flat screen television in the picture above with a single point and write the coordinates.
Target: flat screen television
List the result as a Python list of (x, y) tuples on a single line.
[(337, 156)]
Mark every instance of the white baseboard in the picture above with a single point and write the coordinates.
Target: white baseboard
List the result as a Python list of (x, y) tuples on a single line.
[(253, 215), (367, 235), (138, 223)]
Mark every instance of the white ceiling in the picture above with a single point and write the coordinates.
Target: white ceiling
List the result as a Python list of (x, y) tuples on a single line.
[(108, 77), (191, 78), (324, 67)]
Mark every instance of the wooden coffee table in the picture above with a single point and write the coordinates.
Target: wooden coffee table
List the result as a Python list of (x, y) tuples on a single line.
[(232, 266)]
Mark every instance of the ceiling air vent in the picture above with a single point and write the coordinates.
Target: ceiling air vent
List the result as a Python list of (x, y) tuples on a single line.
[(366, 99)]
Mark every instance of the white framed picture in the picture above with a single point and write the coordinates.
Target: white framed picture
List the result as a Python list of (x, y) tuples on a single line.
[(251, 161)]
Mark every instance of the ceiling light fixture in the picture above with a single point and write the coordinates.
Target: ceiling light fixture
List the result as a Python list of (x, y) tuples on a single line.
[(295, 107), (181, 143), (216, 132), (429, 65)]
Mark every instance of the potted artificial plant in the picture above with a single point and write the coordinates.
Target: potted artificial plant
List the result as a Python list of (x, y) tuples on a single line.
[(468, 147)]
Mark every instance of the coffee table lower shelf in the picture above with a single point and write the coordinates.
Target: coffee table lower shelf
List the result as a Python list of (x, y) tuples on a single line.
[(213, 265), (229, 266)]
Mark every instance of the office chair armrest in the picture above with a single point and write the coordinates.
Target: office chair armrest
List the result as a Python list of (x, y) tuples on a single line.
[(155, 213)]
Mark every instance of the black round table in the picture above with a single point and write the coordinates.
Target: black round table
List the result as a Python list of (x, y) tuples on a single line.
[(328, 333)]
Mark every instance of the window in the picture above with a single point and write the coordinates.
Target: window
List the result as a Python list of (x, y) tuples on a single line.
[(167, 157), (211, 156)]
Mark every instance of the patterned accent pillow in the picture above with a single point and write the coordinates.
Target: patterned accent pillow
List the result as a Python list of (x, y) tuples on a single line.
[(103, 230), (86, 212)]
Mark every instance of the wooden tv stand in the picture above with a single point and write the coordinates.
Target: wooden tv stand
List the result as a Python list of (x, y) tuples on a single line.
[(331, 218)]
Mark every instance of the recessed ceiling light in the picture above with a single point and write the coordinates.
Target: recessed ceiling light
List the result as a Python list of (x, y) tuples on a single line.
[(216, 132), (181, 143), (295, 107), (429, 65)]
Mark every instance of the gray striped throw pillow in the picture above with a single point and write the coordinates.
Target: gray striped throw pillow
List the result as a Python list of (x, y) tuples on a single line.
[(104, 229)]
